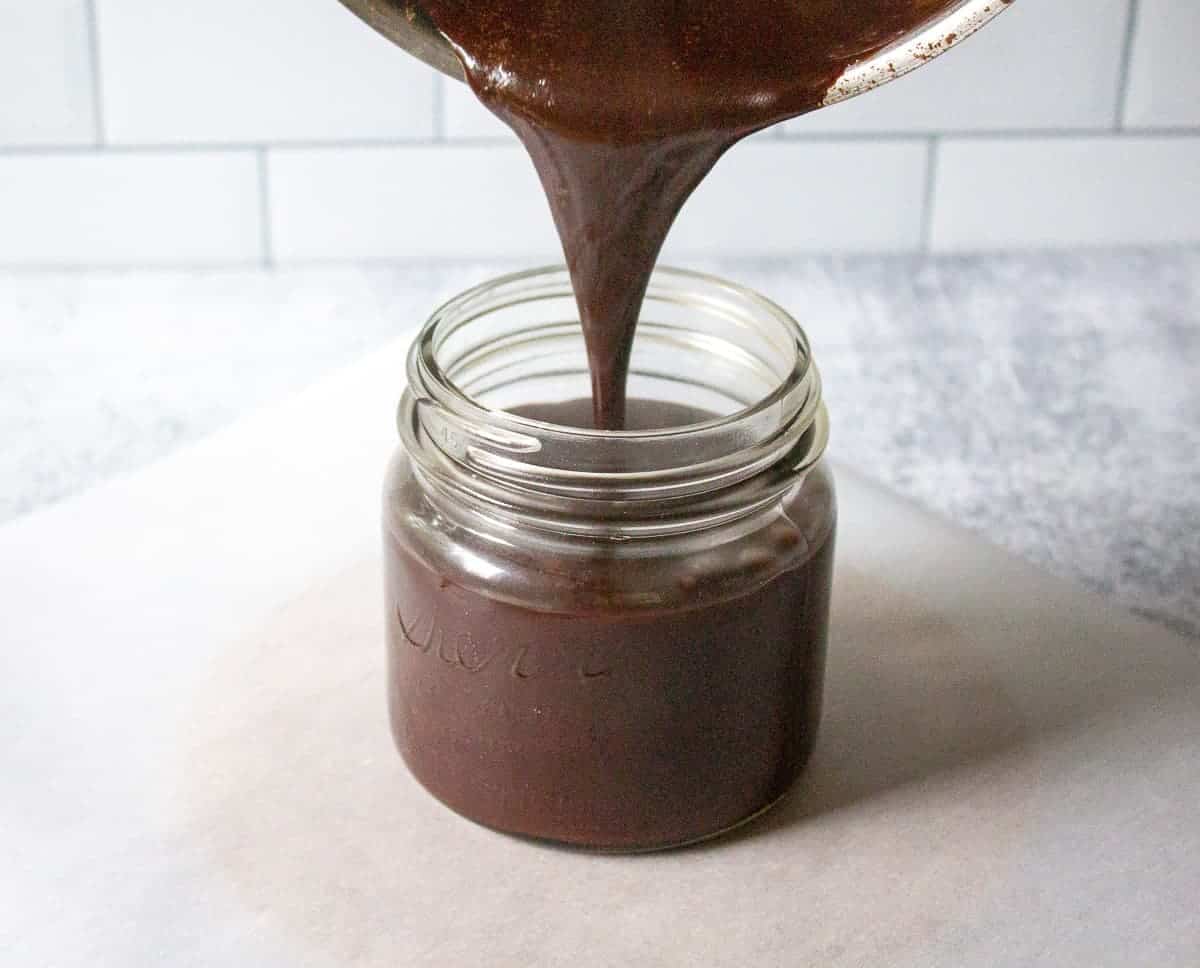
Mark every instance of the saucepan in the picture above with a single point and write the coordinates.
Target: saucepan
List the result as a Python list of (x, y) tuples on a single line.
[(411, 30)]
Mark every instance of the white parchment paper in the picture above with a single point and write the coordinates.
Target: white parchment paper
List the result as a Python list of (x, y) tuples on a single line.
[(196, 768)]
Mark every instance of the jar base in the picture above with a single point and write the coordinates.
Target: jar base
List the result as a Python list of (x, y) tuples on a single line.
[(594, 848)]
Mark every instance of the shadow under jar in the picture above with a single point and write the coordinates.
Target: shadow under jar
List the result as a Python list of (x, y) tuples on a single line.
[(609, 639)]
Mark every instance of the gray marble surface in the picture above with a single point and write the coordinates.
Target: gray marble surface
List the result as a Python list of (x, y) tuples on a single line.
[(1048, 401)]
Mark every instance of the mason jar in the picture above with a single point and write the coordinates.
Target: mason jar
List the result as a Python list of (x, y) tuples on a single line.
[(612, 639)]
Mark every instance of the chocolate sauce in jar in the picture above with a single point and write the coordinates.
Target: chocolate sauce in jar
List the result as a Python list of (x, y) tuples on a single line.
[(662, 698)]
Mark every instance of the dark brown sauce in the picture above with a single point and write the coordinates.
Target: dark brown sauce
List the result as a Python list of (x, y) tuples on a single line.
[(622, 726), (639, 414), (629, 731), (626, 105), (662, 695)]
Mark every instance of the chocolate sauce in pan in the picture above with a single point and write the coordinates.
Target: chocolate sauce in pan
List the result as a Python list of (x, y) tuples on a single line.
[(625, 106)]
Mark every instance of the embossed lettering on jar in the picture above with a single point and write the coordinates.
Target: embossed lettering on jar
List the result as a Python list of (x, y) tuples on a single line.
[(609, 639)]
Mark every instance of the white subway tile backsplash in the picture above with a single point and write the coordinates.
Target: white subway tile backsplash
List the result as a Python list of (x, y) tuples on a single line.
[(45, 73), (1164, 76), (1066, 191), (319, 86), (1041, 64), (769, 197), (177, 71), (483, 201), (465, 117), (449, 201), (121, 208)]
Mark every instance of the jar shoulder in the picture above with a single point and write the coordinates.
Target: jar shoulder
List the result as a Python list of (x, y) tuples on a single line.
[(527, 568), (812, 505)]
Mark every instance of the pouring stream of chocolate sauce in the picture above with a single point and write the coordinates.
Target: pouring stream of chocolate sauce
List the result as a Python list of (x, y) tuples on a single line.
[(595, 717), (625, 106)]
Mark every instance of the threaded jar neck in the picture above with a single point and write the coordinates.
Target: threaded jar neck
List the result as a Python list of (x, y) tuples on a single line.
[(701, 342)]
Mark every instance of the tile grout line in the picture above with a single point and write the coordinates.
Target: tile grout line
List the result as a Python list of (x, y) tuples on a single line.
[(265, 238), (439, 109), (1126, 69), (10, 269), (93, 31), (202, 147), (933, 153), (1012, 135), (997, 134)]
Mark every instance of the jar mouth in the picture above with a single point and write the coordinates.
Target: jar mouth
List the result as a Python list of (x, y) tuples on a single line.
[(701, 340), (462, 307)]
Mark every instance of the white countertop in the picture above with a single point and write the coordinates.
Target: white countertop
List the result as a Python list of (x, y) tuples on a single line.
[(196, 767), (1047, 401)]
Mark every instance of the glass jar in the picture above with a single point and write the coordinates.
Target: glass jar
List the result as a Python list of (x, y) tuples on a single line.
[(609, 639)]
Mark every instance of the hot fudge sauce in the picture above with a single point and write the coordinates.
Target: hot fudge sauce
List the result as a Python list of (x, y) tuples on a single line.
[(617, 728), (610, 640), (621, 647)]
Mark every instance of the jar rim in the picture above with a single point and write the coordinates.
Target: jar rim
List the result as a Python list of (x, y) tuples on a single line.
[(471, 447), (423, 352)]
